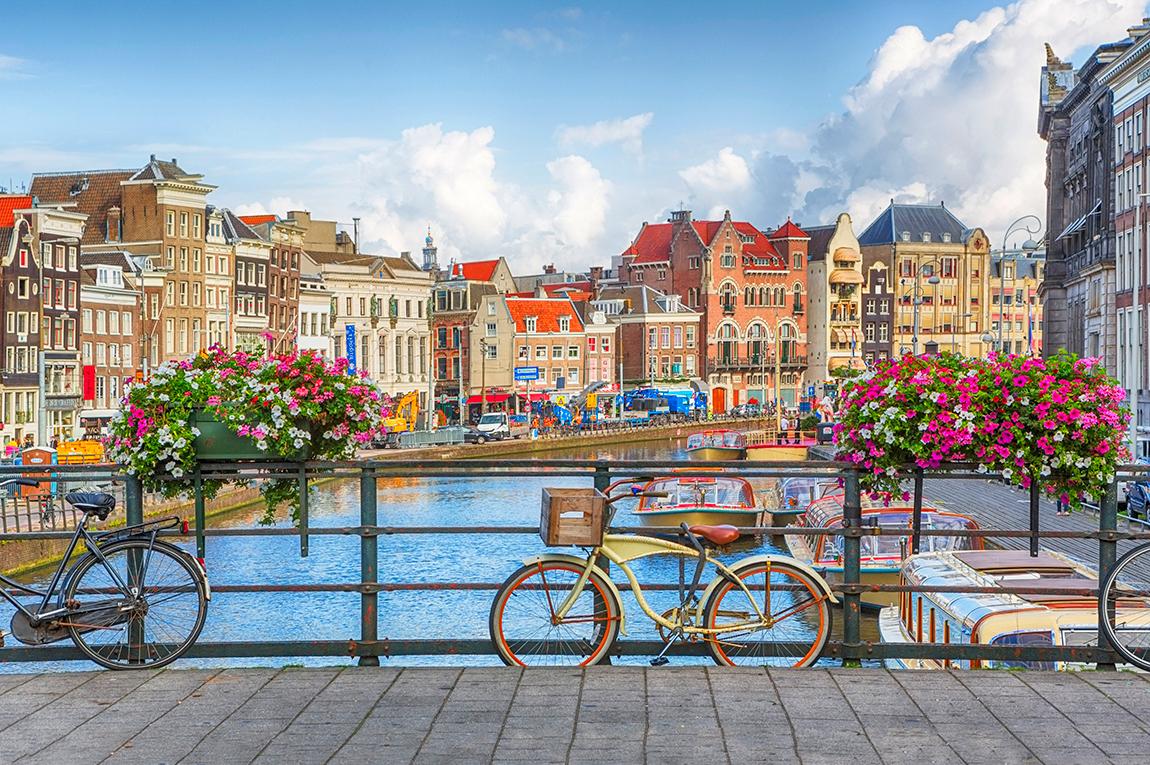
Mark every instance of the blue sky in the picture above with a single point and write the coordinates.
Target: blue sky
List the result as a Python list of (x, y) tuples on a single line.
[(480, 118)]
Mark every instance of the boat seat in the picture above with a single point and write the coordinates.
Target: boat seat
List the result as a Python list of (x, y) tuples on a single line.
[(719, 535)]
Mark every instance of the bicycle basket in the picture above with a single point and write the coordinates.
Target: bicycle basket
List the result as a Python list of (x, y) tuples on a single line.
[(572, 517)]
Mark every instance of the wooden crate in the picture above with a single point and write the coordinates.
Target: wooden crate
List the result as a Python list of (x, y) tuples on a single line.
[(572, 517)]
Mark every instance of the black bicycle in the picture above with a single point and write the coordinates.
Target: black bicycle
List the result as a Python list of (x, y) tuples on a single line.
[(132, 601), (1124, 607)]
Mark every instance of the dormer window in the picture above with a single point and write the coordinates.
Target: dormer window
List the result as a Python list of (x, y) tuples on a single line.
[(906, 236), (946, 238), (564, 323), (532, 323), (926, 236)]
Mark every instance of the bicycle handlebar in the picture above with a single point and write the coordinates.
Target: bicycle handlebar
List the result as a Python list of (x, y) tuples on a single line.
[(20, 482)]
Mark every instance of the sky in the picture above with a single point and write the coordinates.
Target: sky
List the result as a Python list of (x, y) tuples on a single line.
[(547, 133)]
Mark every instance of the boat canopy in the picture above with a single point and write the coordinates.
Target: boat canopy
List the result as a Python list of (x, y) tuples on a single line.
[(828, 513), (718, 491), (726, 439), (801, 491)]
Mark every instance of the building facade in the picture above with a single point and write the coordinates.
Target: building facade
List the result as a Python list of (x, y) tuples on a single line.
[(109, 338), (1016, 306), (20, 333), (835, 327), (750, 288), (939, 274), (1075, 119), (315, 310), (659, 340), (286, 239), (544, 333)]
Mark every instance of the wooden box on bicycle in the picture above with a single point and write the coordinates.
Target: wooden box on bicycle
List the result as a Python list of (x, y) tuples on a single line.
[(572, 517)]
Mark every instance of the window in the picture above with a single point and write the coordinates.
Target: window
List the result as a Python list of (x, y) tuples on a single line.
[(491, 308), (87, 353), (564, 323), (665, 337), (557, 351), (492, 329), (727, 260), (573, 377), (101, 354), (541, 352), (183, 225), (196, 294), (183, 294), (883, 331), (638, 276), (85, 320), (652, 338), (196, 259), (113, 322), (101, 323), (154, 300), (869, 332), (678, 337), (797, 261), (694, 262), (662, 274), (572, 351), (690, 337), (170, 223), (605, 347), (530, 322), (197, 221)]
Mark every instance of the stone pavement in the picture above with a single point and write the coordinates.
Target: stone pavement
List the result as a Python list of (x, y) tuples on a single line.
[(602, 715)]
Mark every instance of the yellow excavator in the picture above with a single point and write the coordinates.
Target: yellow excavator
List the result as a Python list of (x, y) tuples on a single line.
[(402, 420)]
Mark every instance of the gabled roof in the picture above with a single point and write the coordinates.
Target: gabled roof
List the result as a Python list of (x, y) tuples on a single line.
[(474, 270), (706, 229), (340, 258), (547, 312), (645, 300), (159, 170), (400, 264), (653, 245), (257, 220), (761, 246), (789, 231), (567, 289), (916, 220), (91, 191), (10, 202), (235, 227), (820, 241)]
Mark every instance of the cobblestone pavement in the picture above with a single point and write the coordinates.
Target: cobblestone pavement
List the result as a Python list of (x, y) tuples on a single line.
[(603, 715)]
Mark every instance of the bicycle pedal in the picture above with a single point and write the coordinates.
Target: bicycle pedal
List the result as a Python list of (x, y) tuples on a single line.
[(660, 661)]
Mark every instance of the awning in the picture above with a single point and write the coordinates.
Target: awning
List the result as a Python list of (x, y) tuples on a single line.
[(853, 362), (846, 254), (1080, 223), (534, 396), (845, 276), (840, 336), (492, 398)]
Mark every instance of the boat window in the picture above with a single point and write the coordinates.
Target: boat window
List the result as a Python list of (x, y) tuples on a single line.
[(718, 491), (1024, 639)]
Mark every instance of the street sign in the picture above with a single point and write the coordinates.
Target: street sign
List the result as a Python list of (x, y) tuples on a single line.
[(810, 391), (526, 374), (349, 349)]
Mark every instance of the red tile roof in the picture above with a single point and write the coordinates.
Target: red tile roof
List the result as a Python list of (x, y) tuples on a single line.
[(547, 312), (10, 202), (761, 247), (257, 220), (706, 229), (475, 270), (566, 288), (653, 244), (790, 231)]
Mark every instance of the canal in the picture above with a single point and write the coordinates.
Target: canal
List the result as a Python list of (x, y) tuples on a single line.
[(493, 501)]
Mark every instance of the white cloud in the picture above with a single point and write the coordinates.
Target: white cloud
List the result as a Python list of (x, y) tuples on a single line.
[(723, 177), (534, 38), (947, 118), (627, 132), (579, 205)]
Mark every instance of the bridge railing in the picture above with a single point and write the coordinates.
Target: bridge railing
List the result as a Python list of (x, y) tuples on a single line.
[(368, 646)]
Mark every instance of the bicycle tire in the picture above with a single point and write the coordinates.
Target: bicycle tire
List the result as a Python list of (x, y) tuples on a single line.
[(173, 630), (803, 639), (1135, 623), (525, 636)]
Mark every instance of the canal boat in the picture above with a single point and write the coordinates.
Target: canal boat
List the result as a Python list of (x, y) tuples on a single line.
[(769, 447), (708, 500), (793, 495), (997, 618), (881, 555), (716, 445)]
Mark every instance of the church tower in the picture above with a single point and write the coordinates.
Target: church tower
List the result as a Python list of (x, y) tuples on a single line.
[(430, 253)]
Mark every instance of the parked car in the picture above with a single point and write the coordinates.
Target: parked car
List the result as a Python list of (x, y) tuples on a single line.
[(499, 425), (1137, 498), (476, 436)]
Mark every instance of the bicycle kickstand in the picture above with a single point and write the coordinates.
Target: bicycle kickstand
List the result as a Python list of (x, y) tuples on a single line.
[(661, 660)]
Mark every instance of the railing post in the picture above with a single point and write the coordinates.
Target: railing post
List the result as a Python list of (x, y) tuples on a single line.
[(133, 501), (134, 514), (301, 487), (201, 520), (1107, 554), (916, 517), (368, 563), (852, 546), (1034, 520)]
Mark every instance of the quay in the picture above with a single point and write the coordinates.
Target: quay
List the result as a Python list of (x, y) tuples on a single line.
[(602, 715)]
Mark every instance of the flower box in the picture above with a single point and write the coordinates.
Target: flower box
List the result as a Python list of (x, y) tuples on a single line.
[(217, 442)]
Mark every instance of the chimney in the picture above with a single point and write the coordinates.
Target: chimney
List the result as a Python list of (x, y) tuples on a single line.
[(113, 230), (549, 268)]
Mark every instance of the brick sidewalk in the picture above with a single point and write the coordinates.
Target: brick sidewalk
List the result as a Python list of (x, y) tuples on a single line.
[(608, 715)]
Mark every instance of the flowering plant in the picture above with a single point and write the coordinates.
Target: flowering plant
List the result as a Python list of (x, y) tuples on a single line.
[(292, 406), (1059, 421)]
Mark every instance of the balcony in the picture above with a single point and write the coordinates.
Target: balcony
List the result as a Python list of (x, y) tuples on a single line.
[(753, 362), (728, 309)]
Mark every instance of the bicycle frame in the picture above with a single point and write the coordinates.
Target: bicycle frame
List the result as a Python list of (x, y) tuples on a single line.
[(621, 548)]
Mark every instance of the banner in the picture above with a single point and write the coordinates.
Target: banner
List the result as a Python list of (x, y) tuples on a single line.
[(349, 350)]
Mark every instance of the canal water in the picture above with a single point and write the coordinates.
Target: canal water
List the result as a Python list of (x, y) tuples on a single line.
[(488, 501)]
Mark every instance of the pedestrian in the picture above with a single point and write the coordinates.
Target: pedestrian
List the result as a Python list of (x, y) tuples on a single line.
[(1063, 506)]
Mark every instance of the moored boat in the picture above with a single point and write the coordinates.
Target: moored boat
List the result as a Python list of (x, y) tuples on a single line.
[(717, 445), (709, 500), (997, 618), (793, 495), (881, 555)]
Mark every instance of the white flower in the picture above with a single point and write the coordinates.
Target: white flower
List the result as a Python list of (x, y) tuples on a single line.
[(1007, 473), (164, 397), (298, 443), (1058, 436), (982, 468), (178, 473), (262, 445), (195, 431)]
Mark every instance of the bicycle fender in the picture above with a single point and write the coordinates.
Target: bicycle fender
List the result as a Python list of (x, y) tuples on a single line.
[(582, 563), (814, 575)]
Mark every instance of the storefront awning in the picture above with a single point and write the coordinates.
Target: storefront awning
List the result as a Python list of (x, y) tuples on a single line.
[(534, 396), (1080, 223), (492, 398)]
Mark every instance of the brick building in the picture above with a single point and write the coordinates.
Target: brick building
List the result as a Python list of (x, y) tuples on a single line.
[(286, 239), (159, 212), (750, 288), (252, 256), (658, 338), (109, 336), (20, 328)]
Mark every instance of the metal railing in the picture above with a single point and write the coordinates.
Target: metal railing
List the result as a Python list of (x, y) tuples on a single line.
[(368, 645)]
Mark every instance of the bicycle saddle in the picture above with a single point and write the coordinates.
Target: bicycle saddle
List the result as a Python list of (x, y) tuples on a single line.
[(719, 535), (96, 502)]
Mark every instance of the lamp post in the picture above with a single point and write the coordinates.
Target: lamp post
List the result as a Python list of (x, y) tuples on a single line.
[(916, 300), (482, 377), (1133, 349), (1024, 223)]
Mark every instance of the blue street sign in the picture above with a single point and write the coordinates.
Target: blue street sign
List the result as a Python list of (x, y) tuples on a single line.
[(525, 374), (810, 390), (349, 336)]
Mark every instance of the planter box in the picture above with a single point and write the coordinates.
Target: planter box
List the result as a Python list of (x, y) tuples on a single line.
[(217, 442)]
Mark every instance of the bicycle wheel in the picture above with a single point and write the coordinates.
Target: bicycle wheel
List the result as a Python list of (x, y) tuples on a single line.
[(524, 631), (1122, 607), (156, 626), (798, 617)]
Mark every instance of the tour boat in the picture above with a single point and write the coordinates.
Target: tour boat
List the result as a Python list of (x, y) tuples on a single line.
[(996, 618), (881, 555), (708, 500), (771, 446), (717, 445), (794, 495)]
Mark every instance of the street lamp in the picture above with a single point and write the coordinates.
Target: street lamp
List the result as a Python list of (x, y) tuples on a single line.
[(1024, 223), (482, 377), (916, 300)]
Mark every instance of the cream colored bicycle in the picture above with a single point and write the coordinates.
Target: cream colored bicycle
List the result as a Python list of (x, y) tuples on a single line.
[(564, 610)]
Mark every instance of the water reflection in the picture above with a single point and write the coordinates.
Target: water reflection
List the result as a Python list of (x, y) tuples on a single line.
[(493, 500)]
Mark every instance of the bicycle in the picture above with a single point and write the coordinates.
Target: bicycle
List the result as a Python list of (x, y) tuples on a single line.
[(560, 609), (1124, 607), (131, 601)]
